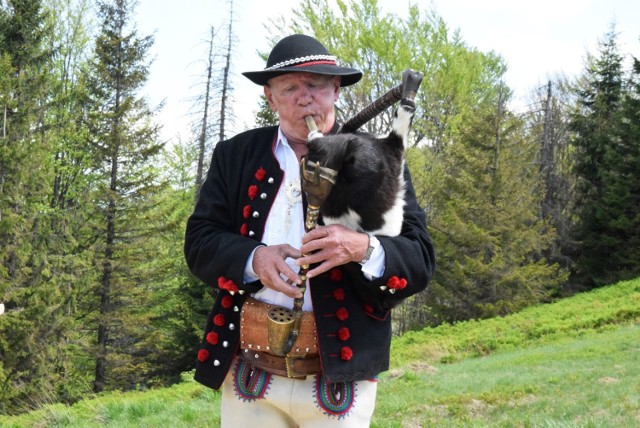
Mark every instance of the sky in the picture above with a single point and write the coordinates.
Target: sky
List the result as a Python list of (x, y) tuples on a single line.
[(537, 39)]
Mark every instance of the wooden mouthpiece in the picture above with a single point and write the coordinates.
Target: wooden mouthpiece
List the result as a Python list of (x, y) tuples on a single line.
[(313, 128)]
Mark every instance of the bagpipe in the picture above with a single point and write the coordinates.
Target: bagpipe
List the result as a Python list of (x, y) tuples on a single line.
[(320, 171)]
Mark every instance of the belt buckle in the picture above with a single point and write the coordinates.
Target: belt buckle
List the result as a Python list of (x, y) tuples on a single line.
[(289, 361)]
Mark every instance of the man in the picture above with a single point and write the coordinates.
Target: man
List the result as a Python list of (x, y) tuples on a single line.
[(246, 237)]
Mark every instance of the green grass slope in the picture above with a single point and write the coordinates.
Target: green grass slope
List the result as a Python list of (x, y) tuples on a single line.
[(574, 363)]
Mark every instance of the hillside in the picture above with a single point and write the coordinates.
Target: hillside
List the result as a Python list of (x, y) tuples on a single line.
[(573, 363)]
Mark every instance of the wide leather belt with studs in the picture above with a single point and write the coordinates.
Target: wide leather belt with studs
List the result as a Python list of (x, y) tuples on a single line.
[(289, 366)]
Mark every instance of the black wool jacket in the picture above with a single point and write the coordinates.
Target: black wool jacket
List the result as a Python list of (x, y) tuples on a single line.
[(352, 314)]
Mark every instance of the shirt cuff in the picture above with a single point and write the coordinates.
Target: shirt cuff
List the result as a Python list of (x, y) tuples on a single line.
[(249, 273), (374, 267)]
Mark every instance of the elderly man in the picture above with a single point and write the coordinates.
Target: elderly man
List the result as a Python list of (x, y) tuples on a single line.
[(246, 238)]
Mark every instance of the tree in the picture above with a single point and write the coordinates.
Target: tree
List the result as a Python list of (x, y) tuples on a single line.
[(180, 302), (471, 167), (487, 227), (28, 368), (602, 148), (217, 89), (204, 123), (548, 123), (623, 196), (124, 144)]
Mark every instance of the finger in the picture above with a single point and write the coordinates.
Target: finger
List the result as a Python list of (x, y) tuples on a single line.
[(313, 246), (289, 274), (312, 257), (287, 288), (321, 268), (288, 251), (315, 234)]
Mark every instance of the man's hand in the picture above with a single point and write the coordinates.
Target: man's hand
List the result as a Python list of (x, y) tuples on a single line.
[(332, 246), (269, 263)]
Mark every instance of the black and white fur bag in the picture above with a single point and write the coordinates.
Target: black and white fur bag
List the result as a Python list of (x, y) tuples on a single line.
[(368, 195)]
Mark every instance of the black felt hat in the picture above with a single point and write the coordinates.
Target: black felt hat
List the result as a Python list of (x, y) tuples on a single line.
[(300, 53)]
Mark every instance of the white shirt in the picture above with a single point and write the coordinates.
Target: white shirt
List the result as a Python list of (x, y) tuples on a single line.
[(285, 225)]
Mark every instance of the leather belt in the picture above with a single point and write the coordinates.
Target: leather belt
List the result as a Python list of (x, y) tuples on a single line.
[(290, 366)]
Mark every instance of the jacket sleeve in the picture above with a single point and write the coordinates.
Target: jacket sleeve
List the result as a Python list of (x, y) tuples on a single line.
[(214, 249), (409, 260)]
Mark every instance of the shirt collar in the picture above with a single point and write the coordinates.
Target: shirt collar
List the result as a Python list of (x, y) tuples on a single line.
[(281, 140)]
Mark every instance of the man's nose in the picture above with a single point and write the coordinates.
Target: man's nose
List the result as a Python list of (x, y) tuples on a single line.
[(305, 98)]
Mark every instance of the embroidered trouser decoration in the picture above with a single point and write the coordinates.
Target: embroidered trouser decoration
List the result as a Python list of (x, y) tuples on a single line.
[(250, 383), (334, 399)]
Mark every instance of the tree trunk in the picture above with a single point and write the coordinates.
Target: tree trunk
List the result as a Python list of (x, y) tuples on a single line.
[(205, 119)]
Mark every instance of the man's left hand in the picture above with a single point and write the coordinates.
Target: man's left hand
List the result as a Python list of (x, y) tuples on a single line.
[(332, 246)]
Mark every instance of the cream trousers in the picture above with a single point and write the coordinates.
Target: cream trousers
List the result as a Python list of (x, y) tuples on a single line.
[(256, 398)]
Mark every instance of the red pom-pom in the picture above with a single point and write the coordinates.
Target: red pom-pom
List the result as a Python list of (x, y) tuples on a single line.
[(219, 320), (227, 284), (338, 294), (335, 275), (346, 353), (246, 211), (260, 174), (226, 302), (212, 338), (244, 229), (253, 192), (203, 355), (396, 283), (342, 314), (344, 334)]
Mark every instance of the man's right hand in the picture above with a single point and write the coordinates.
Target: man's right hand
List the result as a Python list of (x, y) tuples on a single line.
[(269, 263)]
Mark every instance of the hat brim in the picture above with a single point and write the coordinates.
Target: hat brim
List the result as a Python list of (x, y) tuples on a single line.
[(348, 76)]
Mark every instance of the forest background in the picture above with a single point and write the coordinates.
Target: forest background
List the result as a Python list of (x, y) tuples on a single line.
[(524, 207)]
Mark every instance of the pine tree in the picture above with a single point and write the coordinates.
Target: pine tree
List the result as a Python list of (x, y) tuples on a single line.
[(124, 145)]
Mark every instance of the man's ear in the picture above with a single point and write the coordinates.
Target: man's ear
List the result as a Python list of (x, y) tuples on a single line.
[(269, 96)]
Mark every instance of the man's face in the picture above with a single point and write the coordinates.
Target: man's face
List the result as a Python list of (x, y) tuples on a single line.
[(296, 95)]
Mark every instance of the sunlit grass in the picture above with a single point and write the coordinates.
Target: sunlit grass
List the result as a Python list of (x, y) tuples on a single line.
[(591, 381)]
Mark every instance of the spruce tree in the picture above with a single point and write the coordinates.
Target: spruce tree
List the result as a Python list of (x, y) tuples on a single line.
[(623, 195), (29, 348), (69, 243), (601, 228), (485, 221), (124, 145)]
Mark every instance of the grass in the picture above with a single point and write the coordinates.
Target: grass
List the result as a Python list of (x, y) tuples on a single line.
[(593, 381), (574, 363), (186, 404)]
